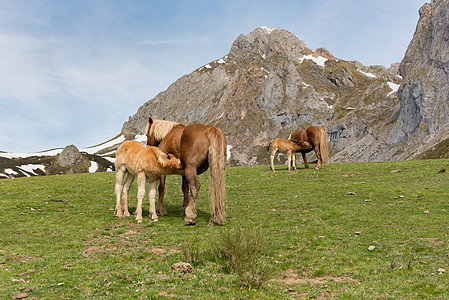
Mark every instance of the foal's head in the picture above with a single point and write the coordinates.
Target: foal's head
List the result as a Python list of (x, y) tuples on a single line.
[(167, 160)]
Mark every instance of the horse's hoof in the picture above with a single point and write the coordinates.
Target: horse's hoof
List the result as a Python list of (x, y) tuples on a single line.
[(189, 222), (155, 220), (214, 224), (139, 221), (126, 214)]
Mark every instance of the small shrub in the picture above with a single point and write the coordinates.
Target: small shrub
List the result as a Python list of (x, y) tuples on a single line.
[(242, 250), (191, 250)]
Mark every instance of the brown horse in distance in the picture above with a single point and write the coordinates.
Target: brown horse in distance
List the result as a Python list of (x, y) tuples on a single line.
[(317, 137), (286, 146), (199, 147)]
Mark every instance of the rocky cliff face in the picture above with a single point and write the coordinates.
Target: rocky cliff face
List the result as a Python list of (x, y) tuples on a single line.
[(419, 126), (424, 96), (269, 84)]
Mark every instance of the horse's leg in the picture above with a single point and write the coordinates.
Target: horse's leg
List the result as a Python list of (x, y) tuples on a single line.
[(289, 159), (160, 209), (141, 179), (152, 198), (190, 218), (128, 182), (273, 154), (120, 173), (319, 162), (306, 163), (185, 191), (294, 160)]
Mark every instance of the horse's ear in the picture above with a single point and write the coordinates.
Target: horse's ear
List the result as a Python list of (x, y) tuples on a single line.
[(163, 118), (150, 120)]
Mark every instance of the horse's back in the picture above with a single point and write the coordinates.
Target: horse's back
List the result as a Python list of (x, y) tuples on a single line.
[(299, 134), (128, 147), (314, 134), (196, 142), (127, 155), (194, 145)]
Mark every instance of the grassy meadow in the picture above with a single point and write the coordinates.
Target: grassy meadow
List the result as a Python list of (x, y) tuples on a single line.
[(347, 231)]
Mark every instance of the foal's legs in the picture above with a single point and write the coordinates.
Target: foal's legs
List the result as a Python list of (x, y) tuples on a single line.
[(185, 192), (120, 173), (294, 160), (160, 209), (289, 159), (141, 179), (190, 218), (273, 154), (128, 182), (152, 198)]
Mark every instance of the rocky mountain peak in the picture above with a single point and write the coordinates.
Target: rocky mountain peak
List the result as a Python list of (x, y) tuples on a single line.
[(271, 83), (267, 42)]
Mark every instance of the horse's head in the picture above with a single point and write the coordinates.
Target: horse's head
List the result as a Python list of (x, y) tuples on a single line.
[(151, 139)]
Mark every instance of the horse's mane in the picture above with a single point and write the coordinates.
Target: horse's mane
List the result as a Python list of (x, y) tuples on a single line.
[(160, 128)]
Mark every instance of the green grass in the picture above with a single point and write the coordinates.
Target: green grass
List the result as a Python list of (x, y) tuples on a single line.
[(59, 239)]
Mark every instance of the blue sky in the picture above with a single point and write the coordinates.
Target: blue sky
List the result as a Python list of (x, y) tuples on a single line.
[(72, 72)]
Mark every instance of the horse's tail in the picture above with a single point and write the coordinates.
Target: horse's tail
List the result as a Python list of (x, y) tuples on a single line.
[(323, 146), (217, 165)]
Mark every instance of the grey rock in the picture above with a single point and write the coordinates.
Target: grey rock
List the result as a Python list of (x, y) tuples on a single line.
[(70, 156)]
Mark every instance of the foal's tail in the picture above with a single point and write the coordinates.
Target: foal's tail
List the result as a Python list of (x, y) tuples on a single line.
[(217, 165), (323, 146)]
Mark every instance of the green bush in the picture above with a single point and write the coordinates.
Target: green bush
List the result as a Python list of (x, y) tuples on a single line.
[(241, 251)]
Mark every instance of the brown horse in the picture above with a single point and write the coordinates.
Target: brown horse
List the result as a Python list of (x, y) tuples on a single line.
[(317, 137), (148, 164), (286, 146), (199, 147)]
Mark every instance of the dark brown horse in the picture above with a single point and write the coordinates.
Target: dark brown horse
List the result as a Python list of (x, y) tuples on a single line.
[(317, 137), (199, 147)]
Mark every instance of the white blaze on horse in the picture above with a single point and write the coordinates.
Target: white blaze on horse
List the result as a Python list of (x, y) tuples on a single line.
[(147, 164), (317, 137), (286, 146)]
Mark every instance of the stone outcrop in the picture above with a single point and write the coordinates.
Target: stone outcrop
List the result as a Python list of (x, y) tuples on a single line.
[(69, 161)]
